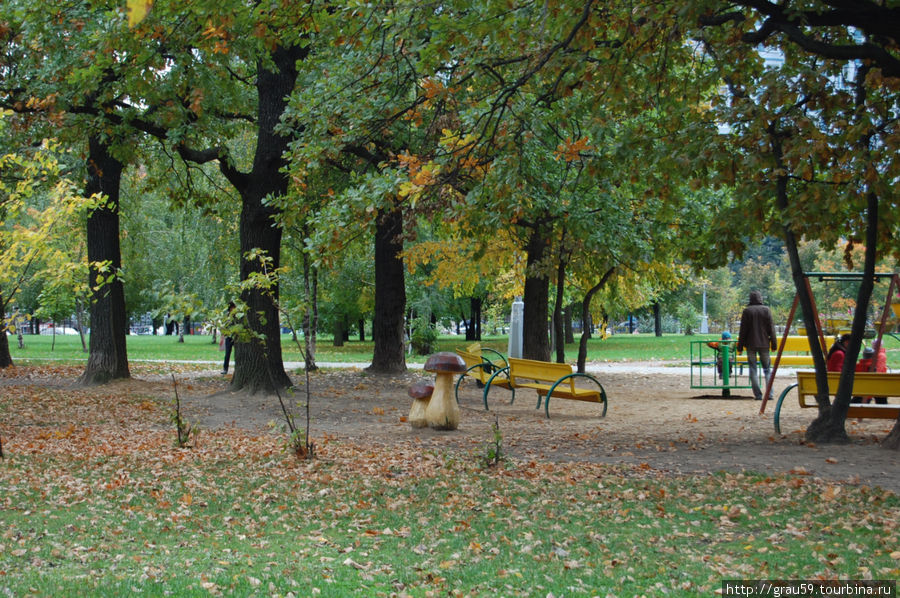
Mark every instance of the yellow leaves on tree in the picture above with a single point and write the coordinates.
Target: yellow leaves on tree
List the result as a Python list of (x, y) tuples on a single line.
[(571, 150), (421, 176), (137, 10), (37, 241), (458, 263)]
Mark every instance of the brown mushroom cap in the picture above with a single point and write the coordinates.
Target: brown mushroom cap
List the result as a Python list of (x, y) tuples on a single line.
[(445, 361), (421, 390)]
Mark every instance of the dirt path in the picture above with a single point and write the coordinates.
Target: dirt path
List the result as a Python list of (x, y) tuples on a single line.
[(654, 420)]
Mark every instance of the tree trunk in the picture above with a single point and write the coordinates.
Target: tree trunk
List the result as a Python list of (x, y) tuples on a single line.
[(338, 332), (5, 355), (107, 357), (390, 294), (258, 364), (559, 335), (586, 319), (361, 324), (473, 328), (79, 315), (535, 341), (892, 440), (657, 319), (567, 319), (310, 312)]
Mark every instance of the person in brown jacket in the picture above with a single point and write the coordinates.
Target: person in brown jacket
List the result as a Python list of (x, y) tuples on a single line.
[(757, 335)]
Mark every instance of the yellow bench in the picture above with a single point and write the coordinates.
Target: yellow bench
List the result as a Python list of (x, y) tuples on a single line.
[(482, 370), (795, 352), (549, 380), (865, 384)]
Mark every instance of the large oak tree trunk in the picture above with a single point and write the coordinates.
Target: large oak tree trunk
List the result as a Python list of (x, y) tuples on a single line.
[(258, 363), (535, 341), (390, 294), (107, 358)]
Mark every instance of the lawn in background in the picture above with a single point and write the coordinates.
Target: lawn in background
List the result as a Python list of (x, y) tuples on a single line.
[(674, 348)]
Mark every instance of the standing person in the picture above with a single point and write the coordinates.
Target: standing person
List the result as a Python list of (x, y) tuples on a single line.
[(757, 335), (837, 353), (229, 341)]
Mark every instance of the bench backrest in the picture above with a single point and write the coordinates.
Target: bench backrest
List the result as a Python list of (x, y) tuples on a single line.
[(544, 371), (473, 360), (800, 344), (869, 384)]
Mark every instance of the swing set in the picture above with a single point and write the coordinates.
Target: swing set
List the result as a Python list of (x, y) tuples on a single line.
[(723, 369), (836, 325)]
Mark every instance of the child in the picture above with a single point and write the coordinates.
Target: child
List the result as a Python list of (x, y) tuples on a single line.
[(866, 365), (719, 347), (836, 354)]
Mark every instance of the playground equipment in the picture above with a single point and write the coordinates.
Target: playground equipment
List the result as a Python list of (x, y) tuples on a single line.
[(714, 366), (892, 302)]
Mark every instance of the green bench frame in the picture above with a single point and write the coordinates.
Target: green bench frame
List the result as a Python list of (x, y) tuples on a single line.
[(549, 380), (865, 384)]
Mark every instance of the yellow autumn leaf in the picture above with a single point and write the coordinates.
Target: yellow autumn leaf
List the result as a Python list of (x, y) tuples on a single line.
[(137, 10)]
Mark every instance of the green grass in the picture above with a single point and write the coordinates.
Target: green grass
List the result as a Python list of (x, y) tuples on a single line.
[(243, 520), (617, 348), (200, 348)]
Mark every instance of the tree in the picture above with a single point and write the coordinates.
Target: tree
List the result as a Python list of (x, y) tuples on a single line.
[(38, 207), (819, 130), (108, 356), (55, 71)]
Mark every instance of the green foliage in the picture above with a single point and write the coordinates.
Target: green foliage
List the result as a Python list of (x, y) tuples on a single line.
[(184, 431), (424, 336), (493, 454)]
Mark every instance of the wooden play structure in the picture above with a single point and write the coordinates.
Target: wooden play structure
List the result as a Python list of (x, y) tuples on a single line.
[(865, 383)]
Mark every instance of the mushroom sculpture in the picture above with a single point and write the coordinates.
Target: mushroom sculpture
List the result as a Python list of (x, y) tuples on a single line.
[(420, 393), (442, 412)]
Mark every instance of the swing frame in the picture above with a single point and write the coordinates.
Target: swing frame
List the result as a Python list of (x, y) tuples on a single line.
[(893, 287)]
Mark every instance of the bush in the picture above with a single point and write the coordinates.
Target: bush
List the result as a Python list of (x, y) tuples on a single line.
[(424, 337)]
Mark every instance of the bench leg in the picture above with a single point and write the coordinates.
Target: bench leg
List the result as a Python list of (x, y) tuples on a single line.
[(778, 407)]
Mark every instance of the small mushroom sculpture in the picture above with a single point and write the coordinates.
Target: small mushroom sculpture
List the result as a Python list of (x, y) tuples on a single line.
[(442, 412), (420, 393)]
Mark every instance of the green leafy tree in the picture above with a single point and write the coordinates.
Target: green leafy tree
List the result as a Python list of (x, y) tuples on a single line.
[(815, 140), (38, 207)]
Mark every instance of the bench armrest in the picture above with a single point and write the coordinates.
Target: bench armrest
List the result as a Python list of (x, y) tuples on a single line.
[(570, 378)]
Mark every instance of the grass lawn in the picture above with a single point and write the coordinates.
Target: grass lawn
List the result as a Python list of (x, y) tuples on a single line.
[(236, 516), (97, 501), (617, 348)]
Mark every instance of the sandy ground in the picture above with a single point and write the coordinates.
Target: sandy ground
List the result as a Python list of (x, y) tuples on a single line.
[(654, 420)]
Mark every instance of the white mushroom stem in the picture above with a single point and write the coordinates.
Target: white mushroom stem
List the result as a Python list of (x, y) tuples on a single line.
[(442, 412), (417, 412)]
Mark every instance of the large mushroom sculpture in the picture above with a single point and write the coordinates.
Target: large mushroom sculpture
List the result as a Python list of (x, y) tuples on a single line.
[(442, 412)]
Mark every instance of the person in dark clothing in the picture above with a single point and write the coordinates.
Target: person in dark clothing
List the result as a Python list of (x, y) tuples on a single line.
[(757, 335), (229, 341)]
